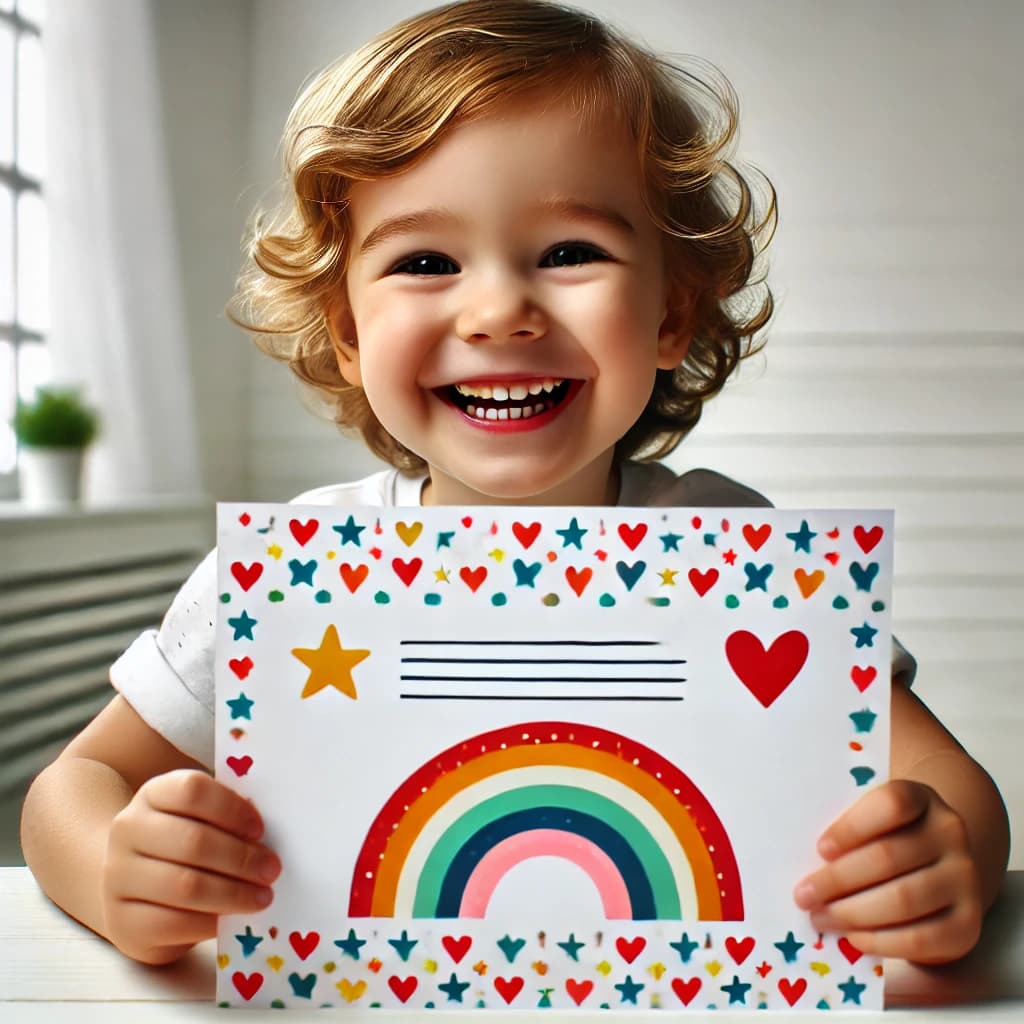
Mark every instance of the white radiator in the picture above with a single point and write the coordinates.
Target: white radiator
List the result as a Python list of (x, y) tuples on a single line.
[(75, 590)]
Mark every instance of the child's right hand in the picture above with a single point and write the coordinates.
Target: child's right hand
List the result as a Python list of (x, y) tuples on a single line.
[(185, 849)]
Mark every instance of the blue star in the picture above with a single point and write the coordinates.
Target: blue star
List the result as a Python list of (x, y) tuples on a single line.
[(302, 572), (684, 947), (757, 578), (248, 941), (240, 706), (572, 534), (351, 945), (403, 946), (789, 947), (571, 946), (630, 989), (453, 989), (671, 541), (349, 532), (865, 635), (802, 538), (444, 540), (851, 990), (737, 991), (242, 625)]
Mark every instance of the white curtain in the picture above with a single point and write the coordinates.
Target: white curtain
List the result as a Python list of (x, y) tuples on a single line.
[(118, 320)]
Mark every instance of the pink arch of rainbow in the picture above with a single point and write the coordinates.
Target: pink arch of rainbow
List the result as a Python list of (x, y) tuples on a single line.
[(700, 832)]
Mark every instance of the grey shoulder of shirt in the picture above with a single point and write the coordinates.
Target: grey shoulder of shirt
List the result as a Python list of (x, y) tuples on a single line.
[(704, 488)]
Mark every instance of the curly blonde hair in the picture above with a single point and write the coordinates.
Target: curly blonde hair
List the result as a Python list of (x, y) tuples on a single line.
[(383, 108)]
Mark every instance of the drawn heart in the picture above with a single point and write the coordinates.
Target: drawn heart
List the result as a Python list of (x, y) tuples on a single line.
[(376, 552), (302, 986), (247, 985), (526, 535), (739, 949), (409, 532), (863, 576), (601, 555), (241, 666), (579, 990), (834, 533), (630, 949), (702, 582), (245, 519), (467, 521), (808, 582), (509, 988), (579, 578), (473, 577), (867, 539), (632, 535), (246, 575), (302, 532), (407, 571), (304, 944), (766, 673), (755, 536), (686, 990), (833, 557), (456, 948), (349, 992), (402, 987), (274, 962), (353, 575), (792, 990), (629, 574), (863, 677), (375, 965), (240, 765), (849, 950)]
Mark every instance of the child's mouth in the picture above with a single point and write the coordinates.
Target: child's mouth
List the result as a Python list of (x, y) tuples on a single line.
[(510, 401)]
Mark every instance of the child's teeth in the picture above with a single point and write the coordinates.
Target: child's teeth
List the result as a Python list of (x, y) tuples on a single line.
[(492, 414), (518, 392), (515, 412), (536, 389), (503, 414), (548, 386), (499, 393)]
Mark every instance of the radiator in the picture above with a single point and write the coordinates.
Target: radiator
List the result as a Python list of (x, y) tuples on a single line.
[(75, 590)]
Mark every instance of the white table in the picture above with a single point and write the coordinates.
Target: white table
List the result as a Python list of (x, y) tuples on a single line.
[(52, 970)]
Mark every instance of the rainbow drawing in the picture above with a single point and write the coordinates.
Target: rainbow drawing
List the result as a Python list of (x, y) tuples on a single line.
[(631, 820)]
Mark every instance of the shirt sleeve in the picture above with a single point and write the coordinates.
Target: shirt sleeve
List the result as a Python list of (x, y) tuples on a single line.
[(167, 674)]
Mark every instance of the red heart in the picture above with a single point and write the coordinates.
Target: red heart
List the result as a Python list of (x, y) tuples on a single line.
[(630, 949), (632, 535), (402, 987), (353, 575), (863, 677), (247, 986), (473, 577), (766, 673), (833, 557), (303, 531), (867, 539), (578, 990), (245, 519), (240, 765), (376, 552), (304, 944), (509, 988), (755, 536), (849, 950), (686, 990), (467, 521), (246, 575), (602, 555), (696, 520), (456, 948), (739, 949), (407, 571), (792, 990), (834, 533), (272, 931), (526, 535), (702, 582), (241, 666), (579, 578)]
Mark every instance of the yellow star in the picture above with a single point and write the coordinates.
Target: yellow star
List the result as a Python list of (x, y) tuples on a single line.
[(330, 664), (274, 551), (668, 577), (442, 575)]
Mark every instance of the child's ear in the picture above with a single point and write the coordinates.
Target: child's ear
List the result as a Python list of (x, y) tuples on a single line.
[(676, 330), (342, 329)]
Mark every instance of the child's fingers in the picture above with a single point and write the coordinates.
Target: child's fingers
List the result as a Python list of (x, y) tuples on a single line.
[(938, 939), (193, 794), (884, 809), (135, 924)]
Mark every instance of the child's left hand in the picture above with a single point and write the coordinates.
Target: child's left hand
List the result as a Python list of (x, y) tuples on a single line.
[(900, 880)]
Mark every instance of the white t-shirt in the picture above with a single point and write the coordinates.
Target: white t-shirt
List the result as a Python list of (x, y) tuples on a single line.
[(167, 674)]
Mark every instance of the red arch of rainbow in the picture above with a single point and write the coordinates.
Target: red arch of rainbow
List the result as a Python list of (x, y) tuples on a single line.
[(696, 825)]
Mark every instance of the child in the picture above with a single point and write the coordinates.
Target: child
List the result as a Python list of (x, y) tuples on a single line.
[(516, 258)]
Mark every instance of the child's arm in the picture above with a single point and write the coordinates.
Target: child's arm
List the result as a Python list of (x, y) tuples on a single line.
[(914, 864), (136, 841)]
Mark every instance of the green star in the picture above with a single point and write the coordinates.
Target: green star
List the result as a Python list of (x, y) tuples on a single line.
[(248, 941), (802, 538), (789, 947), (630, 989), (403, 946), (349, 532), (572, 534), (240, 706), (684, 947), (351, 945), (572, 946), (444, 540), (737, 991), (671, 541), (865, 635), (851, 990), (453, 989), (510, 947), (302, 572), (242, 625)]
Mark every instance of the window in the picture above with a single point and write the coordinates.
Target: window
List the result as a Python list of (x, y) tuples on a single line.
[(24, 300)]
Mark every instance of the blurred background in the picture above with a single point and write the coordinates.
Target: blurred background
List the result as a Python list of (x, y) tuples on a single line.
[(137, 136)]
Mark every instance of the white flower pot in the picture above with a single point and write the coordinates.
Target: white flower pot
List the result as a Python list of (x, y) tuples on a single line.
[(50, 476)]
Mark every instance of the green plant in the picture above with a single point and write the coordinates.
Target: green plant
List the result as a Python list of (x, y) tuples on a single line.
[(55, 418)]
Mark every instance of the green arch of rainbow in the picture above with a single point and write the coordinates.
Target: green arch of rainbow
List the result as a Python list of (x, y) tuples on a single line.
[(698, 834)]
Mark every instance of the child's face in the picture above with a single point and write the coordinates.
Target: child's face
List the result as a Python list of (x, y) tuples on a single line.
[(508, 298)]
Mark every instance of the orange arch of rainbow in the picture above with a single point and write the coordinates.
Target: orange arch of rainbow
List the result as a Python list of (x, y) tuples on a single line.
[(497, 756)]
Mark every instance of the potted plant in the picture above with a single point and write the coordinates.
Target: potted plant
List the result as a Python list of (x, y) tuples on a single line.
[(53, 431)]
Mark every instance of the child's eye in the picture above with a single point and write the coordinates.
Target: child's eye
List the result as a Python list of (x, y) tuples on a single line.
[(428, 264), (572, 254)]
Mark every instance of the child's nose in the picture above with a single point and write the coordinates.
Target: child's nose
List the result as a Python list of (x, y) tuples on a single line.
[(501, 311)]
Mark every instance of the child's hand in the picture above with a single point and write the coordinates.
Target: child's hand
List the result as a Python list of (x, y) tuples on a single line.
[(183, 851), (899, 880)]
